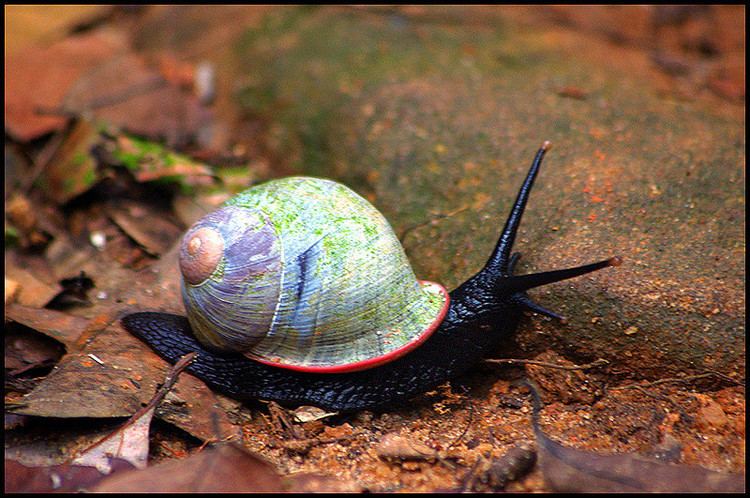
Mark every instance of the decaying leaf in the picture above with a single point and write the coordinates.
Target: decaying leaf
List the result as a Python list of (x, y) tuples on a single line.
[(22, 216), (35, 87), (155, 234), (225, 468), (25, 351), (131, 441), (31, 291), (72, 169), (571, 470), (11, 289), (310, 413), (60, 326), (149, 161), (396, 446), (20, 478)]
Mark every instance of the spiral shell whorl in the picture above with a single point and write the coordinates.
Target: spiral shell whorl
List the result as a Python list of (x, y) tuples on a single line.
[(228, 257), (348, 293)]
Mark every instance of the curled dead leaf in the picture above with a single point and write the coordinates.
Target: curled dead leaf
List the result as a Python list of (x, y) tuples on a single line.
[(571, 470), (395, 446)]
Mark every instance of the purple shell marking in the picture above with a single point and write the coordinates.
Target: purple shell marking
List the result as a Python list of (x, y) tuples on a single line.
[(249, 272)]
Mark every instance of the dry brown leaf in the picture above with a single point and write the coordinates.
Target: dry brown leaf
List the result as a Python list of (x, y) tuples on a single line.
[(154, 233), (576, 471), (395, 446), (23, 216), (24, 351), (72, 169), (131, 442), (34, 86), (11, 289), (56, 324), (20, 478), (32, 291), (305, 413), (226, 468)]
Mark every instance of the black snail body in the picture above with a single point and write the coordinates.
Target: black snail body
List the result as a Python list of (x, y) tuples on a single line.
[(481, 312)]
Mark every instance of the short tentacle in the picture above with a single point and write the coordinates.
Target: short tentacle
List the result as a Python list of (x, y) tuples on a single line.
[(527, 303)]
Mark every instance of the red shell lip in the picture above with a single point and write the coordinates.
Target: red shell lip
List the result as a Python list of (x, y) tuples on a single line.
[(380, 360)]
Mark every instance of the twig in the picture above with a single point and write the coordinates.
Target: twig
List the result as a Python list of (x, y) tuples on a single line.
[(435, 217), (169, 382), (673, 379), (40, 162), (466, 429), (64, 110), (513, 361)]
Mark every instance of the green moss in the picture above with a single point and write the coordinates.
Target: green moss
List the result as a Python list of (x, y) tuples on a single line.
[(146, 151), (90, 177), (307, 66), (11, 235)]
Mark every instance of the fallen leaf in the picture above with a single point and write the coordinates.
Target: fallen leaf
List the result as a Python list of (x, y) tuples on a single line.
[(100, 381), (130, 442), (154, 233), (11, 289), (26, 25), (131, 106), (32, 291), (20, 478), (24, 351), (22, 216), (115, 81), (58, 325), (310, 413), (226, 468), (67, 256), (34, 87), (576, 471), (395, 446), (149, 161), (72, 169)]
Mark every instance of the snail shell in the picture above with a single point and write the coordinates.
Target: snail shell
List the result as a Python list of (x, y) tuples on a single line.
[(305, 274)]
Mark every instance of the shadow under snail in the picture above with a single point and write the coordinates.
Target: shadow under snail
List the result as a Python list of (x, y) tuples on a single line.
[(298, 291)]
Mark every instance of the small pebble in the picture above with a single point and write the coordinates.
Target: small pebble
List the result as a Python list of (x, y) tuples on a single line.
[(632, 330), (98, 240)]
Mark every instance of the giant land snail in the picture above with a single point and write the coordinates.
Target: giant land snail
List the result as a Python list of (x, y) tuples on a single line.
[(298, 291)]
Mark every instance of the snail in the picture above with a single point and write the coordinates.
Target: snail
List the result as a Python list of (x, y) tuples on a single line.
[(298, 291)]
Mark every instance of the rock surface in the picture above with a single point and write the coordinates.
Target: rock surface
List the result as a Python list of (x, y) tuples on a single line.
[(437, 122)]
